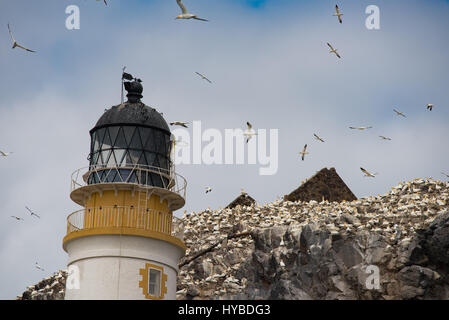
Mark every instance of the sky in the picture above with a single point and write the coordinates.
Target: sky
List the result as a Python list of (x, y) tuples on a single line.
[(269, 64)]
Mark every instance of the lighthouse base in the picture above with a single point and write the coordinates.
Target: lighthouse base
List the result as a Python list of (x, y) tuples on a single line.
[(121, 267)]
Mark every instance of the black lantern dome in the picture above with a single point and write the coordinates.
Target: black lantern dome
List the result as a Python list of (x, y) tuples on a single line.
[(129, 136)]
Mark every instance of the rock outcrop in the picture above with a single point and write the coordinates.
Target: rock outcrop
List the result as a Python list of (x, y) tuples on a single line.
[(326, 184), (50, 288), (243, 199), (326, 250)]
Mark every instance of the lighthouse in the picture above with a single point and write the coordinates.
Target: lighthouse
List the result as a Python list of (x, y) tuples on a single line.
[(123, 244)]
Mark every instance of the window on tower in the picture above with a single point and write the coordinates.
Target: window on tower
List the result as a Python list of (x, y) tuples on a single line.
[(154, 282)]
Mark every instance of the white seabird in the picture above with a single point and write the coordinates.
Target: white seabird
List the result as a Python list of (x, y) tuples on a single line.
[(303, 152), (338, 14), (429, 106), (31, 212), (39, 267), (185, 14), (179, 123), (360, 128), (399, 113), (447, 175), (202, 76), (249, 133), (333, 50), (17, 218), (385, 138), (318, 138), (4, 154), (208, 189), (368, 174), (15, 44)]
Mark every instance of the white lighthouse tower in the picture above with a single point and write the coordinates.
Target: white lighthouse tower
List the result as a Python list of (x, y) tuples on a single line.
[(122, 245)]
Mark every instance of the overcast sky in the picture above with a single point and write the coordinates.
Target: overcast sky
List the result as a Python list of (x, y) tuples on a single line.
[(269, 64)]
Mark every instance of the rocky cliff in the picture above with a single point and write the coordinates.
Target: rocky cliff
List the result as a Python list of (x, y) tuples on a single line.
[(325, 250), (319, 250)]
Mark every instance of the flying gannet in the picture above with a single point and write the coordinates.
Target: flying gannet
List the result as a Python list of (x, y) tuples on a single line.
[(333, 50), (15, 44), (303, 152), (338, 14), (367, 174), (39, 267), (32, 213), (179, 123), (385, 138), (318, 138), (429, 107), (208, 189), (447, 175), (4, 154), (17, 218), (185, 14), (399, 113), (249, 133), (360, 128), (104, 2), (203, 77)]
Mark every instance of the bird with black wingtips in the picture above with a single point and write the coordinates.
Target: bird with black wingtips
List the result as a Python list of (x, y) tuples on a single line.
[(203, 77), (249, 132), (318, 138), (385, 138), (5, 154), (429, 106), (303, 152), (32, 213), (399, 113), (368, 174), (17, 218), (360, 128), (179, 123), (185, 14), (39, 267), (333, 50), (15, 44), (338, 14)]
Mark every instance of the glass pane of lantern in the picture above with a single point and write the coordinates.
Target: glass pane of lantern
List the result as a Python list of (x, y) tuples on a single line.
[(129, 131), (144, 135), (149, 140), (120, 141), (134, 156), (107, 144), (111, 161), (113, 131), (99, 139), (120, 157), (105, 156), (135, 141)]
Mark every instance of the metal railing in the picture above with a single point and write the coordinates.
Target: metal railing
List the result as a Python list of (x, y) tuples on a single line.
[(125, 217), (102, 174)]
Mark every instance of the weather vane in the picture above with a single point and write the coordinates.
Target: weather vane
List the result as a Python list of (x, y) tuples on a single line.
[(129, 77)]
